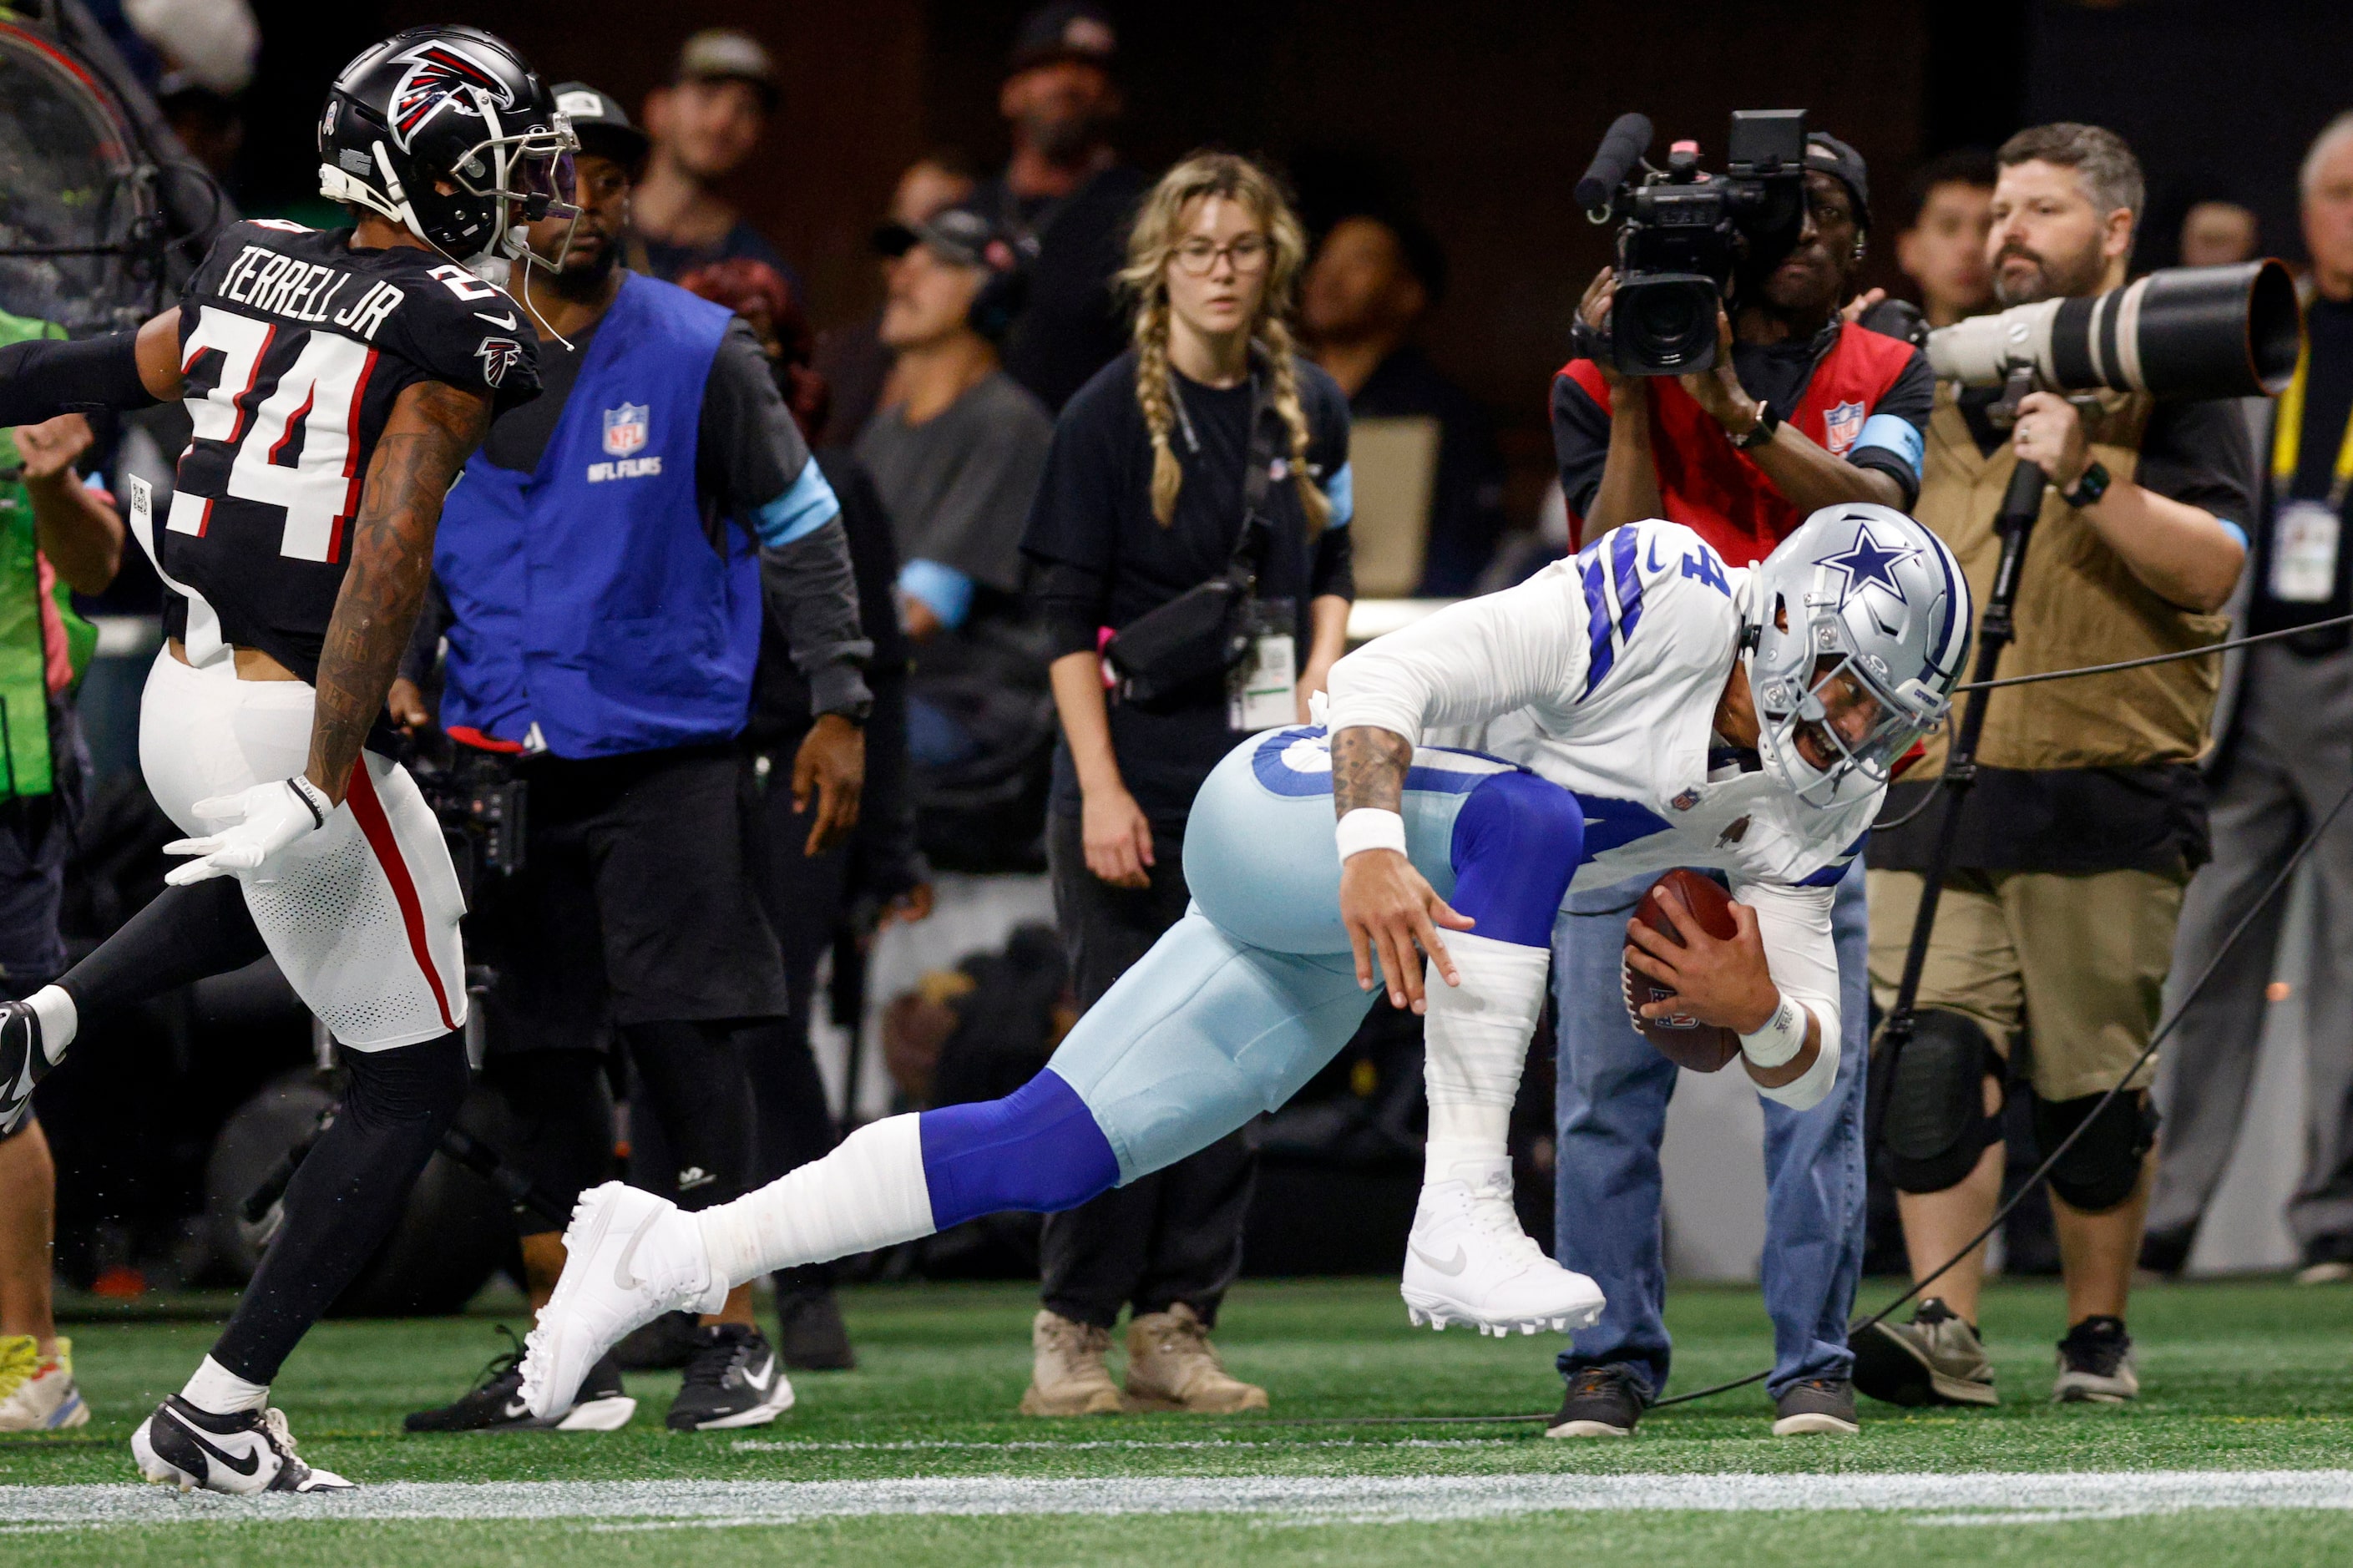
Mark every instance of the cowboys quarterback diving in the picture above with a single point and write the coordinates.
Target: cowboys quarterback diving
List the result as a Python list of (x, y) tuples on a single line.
[(1640, 707), (336, 381)]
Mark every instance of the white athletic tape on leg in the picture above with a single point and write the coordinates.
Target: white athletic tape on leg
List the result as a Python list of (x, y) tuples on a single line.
[(1475, 1039), (868, 1193)]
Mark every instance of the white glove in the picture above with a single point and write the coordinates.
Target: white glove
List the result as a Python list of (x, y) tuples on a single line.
[(260, 822)]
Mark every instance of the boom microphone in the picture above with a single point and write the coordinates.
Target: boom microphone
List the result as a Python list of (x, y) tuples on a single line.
[(2183, 331), (1621, 149)]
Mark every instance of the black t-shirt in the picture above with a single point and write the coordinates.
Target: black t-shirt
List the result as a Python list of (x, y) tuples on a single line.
[(1106, 560), (747, 450), (2149, 817), (2328, 407), (295, 346), (1466, 501), (1070, 327), (1776, 374)]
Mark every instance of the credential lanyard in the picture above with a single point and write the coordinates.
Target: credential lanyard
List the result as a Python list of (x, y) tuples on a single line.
[(2287, 439)]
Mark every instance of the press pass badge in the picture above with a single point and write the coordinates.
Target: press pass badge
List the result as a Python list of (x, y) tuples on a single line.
[(2304, 552), (1260, 689)]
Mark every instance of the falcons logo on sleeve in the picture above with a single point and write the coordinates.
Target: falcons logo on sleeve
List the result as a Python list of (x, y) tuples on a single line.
[(437, 70), (499, 355)]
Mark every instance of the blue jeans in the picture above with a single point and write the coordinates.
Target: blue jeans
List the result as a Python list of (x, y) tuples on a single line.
[(1611, 1115)]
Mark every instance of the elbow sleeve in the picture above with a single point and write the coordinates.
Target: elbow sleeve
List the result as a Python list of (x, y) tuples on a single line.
[(44, 377)]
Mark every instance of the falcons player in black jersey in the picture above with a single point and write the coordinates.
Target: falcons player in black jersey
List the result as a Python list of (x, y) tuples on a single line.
[(337, 383)]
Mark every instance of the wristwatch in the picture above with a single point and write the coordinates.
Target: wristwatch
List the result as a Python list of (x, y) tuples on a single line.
[(1760, 432), (2089, 488)]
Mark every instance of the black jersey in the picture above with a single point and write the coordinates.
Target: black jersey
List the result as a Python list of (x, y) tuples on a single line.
[(293, 346)]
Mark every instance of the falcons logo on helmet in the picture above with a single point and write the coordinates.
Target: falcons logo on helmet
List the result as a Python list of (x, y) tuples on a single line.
[(436, 71)]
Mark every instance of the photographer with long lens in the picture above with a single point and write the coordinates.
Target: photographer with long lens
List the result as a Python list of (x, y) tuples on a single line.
[(1800, 410), (2064, 870)]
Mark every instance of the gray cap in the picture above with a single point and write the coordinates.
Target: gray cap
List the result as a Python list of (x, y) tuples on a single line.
[(729, 54)]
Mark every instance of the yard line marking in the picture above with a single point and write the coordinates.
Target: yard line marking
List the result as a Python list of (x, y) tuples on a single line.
[(813, 1446), (1990, 1497)]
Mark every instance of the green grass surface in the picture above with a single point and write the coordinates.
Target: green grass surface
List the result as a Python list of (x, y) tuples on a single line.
[(2252, 1376)]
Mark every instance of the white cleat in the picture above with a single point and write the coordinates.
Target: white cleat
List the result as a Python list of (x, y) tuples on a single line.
[(1468, 1261), (629, 1258), (249, 1452)]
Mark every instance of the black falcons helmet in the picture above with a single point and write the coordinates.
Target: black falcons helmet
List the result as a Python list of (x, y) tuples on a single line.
[(447, 104)]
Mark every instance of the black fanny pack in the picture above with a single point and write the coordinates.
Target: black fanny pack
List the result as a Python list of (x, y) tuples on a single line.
[(1206, 630)]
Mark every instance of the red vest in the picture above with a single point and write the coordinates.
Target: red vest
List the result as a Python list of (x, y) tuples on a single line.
[(1714, 489)]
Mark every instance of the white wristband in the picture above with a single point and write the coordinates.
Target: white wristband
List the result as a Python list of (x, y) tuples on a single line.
[(1369, 827), (1782, 1037)]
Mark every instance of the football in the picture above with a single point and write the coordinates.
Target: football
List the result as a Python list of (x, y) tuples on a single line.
[(1686, 1042)]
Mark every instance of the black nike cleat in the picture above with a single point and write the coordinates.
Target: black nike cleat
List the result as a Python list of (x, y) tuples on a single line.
[(733, 1379), (23, 1063), (248, 1452), (495, 1402)]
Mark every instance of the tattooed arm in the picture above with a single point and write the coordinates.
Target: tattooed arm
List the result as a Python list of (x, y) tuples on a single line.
[(1389, 909), (434, 429)]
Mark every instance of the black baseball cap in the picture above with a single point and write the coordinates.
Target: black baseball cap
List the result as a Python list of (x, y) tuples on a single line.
[(1066, 30), (964, 235), (1835, 158), (601, 124)]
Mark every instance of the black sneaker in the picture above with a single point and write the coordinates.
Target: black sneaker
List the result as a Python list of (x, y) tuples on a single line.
[(810, 1335), (23, 1063), (2095, 1364), (2164, 1252), (664, 1344), (495, 1402), (249, 1452), (1814, 1406), (734, 1379), (1602, 1401)]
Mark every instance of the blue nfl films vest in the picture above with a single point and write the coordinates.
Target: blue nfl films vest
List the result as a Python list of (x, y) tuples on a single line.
[(587, 598)]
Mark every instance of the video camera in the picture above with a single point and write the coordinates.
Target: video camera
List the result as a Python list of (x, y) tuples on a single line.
[(2181, 332), (1683, 232)]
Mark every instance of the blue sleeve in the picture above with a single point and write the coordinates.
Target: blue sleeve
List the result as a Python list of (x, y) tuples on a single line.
[(804, 509), (1340, 489), (945, 590), (2235, 532), (1892, 433)]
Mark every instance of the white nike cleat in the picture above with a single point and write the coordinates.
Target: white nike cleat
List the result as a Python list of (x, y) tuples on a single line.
[(1468, 1261), (248, 1452), (629, 1258)]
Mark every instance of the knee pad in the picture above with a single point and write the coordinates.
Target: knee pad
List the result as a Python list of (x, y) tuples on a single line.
[(1039, 1148), (1936, 1124), (2104, 1166), (1517, 842)]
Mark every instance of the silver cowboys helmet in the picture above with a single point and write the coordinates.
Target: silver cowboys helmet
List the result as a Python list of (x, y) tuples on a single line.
[(1859, 623)]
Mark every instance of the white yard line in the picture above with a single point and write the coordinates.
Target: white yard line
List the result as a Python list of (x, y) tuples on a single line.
[(1984, 1498)]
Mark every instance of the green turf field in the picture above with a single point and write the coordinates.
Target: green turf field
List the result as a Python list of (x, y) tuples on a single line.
[(2242, 1448)]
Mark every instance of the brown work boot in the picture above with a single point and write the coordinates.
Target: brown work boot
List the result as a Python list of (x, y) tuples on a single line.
[(1171, 1365), (1069, 1376)]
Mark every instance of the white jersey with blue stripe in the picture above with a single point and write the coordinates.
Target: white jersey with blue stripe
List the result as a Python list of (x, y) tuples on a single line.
[(1602, 674)]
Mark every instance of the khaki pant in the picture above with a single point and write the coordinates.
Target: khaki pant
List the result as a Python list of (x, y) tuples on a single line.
[(2081, 958)]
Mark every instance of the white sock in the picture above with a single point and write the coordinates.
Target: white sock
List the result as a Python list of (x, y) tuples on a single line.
[(59, 1018), (1475, 1043), (868, 1193), (216, 1389)]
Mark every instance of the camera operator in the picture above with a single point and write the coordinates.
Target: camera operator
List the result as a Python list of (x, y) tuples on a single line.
[(2282, 760), (1803, 410), (2088, 814), (603, 564)]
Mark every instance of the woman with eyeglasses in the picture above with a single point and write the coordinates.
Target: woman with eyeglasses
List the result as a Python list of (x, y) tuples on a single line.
[(1208, 453)]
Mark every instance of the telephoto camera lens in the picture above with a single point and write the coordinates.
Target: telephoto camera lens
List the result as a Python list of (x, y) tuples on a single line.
[(2183, 332), (1665, 325)]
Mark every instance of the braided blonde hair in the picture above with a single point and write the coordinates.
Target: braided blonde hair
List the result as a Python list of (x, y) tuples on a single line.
[(1144, 280)]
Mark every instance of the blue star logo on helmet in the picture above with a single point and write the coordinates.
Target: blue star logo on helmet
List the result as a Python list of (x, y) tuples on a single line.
[(1868, 562)]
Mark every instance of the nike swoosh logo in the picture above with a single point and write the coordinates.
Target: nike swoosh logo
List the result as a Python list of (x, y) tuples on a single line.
[(768, 1377), (1459, 1261), (623, 1275), (1654, 554), (505, 322), (516, 1409), (251, 1462)]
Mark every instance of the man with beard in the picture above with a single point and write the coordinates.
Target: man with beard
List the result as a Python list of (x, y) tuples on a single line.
[(2088, 813), (603, 567), (1065, 188), (1802, 410)]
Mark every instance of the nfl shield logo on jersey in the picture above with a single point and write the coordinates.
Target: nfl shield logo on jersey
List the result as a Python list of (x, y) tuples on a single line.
[(626, 428), (1841, 426)]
